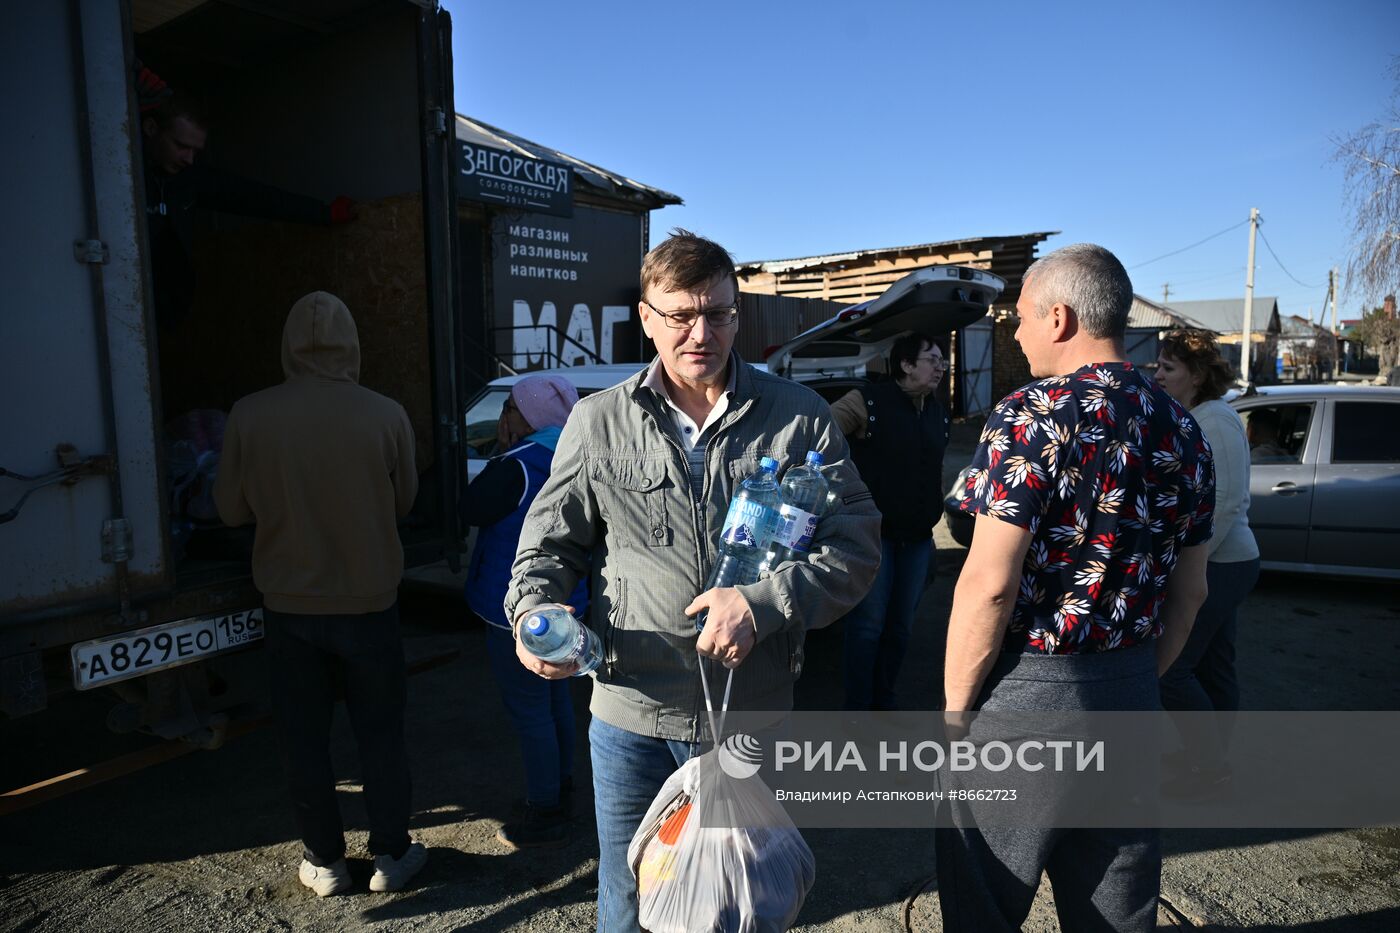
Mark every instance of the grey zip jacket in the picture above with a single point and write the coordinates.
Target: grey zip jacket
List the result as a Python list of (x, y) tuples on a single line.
[(619, 501)]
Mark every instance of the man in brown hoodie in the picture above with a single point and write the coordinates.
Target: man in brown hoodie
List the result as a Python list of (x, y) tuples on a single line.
[(325, 467)]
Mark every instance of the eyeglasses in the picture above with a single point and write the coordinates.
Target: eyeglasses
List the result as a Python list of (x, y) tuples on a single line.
[(685, 320), (937, 361)]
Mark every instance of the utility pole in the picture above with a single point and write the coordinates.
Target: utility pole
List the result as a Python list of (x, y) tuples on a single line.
[(1246, 345), (1332, 296), (1336, 336), (1166, 293)]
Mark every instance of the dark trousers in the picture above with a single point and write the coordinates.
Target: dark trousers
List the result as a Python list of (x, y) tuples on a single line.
[(1104, 879), (1202, 678), (311, 659)]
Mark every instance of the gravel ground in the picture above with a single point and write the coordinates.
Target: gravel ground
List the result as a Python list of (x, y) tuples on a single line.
[(205, 842)]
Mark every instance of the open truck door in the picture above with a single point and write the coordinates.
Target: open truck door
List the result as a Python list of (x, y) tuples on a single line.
[(443, 254), (103, 582), (81, 491)]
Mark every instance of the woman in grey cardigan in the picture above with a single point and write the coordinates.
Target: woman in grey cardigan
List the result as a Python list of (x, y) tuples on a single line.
[(1203, 679)]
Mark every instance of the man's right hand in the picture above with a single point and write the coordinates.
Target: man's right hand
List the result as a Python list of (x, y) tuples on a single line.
[(533, 664)]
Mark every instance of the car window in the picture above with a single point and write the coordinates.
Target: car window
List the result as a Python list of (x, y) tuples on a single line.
[(1277, 433), (1366, 432), (481, 421)]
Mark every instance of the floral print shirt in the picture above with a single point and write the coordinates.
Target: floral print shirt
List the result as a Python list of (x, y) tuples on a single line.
[(1112, 478)]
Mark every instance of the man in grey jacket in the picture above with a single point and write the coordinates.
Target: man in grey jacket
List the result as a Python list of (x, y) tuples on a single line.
[(640, 486)]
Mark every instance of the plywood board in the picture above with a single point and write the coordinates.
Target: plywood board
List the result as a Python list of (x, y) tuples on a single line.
[(251, 272)]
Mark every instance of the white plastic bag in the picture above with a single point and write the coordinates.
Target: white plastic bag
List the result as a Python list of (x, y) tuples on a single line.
[(718, 854)]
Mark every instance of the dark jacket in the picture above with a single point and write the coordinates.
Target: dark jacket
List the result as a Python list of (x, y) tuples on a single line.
[(901, 460), (527, 466)]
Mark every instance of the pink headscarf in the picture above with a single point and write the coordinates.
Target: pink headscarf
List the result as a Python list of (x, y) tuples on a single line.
[(545, 401)]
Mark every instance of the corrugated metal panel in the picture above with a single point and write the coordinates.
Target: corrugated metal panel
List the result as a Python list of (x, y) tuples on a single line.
[(769, 320)]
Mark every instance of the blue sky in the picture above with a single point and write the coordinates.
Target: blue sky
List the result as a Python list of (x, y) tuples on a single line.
[(793, 129)]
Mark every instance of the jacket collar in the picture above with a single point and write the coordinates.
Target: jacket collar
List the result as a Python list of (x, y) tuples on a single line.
[(740, 388)]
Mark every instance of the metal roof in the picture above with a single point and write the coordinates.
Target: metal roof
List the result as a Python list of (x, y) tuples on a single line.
[(1149, 314), (836, 259), (1226, 315), (590, 177), (1295, 325)]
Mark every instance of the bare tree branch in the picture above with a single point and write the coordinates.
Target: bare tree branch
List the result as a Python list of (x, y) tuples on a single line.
[(1371, 157)]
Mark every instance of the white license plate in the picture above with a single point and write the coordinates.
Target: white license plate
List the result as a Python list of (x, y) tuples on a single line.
[(134, 654)]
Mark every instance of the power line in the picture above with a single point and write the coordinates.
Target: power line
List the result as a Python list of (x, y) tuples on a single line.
[(1192, 246), (1280, 261)]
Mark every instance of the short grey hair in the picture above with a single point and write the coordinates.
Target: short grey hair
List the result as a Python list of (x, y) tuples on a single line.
[(1091, 281)]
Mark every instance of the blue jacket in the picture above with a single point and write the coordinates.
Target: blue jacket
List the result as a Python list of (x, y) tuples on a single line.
[(488, 572)]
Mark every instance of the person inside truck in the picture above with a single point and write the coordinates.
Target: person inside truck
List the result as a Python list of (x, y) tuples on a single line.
[(174, 131)]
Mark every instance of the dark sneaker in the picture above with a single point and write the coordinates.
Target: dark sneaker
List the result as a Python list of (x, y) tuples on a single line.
[(325, 880), (391, 874), (539, 828)]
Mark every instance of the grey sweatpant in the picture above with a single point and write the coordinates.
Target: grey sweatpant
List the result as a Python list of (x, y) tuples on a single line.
[(1103, 879)]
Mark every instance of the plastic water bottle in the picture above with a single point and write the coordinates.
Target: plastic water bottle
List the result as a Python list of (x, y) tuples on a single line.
[(555, 636), (804, 492), (749, 527)]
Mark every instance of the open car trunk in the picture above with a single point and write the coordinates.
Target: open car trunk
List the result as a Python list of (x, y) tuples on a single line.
[(932, 301)]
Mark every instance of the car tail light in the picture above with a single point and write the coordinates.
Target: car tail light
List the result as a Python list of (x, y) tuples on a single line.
[(770, 350), (851, 314)]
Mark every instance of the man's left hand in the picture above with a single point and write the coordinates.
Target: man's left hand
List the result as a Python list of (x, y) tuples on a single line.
[(729, 633)]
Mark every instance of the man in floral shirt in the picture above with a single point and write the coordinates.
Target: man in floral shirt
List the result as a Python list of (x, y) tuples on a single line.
[(1093, 491)]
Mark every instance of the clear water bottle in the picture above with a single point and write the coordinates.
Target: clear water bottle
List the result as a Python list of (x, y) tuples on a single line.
[(555, 636), (749, 527), (804, 493)]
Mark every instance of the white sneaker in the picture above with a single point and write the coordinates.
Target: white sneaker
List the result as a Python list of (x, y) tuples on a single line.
[(391, 874), (325, 881)]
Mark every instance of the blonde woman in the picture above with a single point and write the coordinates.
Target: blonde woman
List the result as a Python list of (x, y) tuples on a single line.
[(1202, 679)]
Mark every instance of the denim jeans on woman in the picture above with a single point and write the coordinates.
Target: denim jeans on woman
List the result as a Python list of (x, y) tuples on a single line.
[(878, 628), (542, 712)]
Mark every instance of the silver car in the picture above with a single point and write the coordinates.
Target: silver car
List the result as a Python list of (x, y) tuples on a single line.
[(1324, 482)]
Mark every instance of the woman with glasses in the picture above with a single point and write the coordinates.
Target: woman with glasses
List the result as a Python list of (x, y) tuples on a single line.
[(898, 432)]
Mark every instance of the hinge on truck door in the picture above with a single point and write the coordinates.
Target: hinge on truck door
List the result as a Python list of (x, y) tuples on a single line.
[(93, 252), (437, 122), (116, 540)]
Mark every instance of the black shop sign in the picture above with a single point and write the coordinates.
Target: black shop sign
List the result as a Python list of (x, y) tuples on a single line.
[(565, 290), (514, 180)]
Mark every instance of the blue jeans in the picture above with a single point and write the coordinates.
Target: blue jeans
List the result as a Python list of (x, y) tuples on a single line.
[(1202, 678), (628, 771), (877, 630), (542, 712)]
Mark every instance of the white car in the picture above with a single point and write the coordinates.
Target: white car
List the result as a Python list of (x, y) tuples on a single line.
[(485, 409)]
